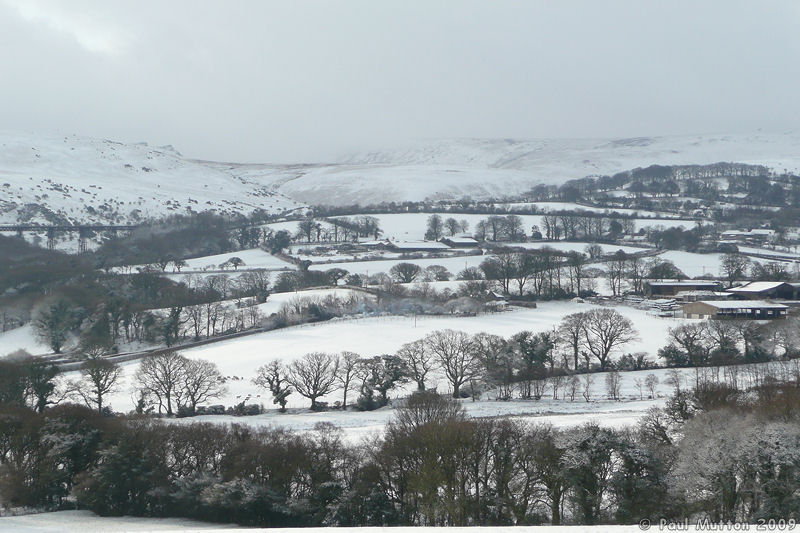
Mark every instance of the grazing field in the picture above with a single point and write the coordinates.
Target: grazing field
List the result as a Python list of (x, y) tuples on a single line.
[(253, 258), (240, 358), (561, 412)]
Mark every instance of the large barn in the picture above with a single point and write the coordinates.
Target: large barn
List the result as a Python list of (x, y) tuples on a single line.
[(760, 290), (753, 310)]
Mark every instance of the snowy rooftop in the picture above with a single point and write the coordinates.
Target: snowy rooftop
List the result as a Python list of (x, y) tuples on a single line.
[(750, 304), (758, 286), (704, 293), (751, 233), (461, 240), (420, 244), (683, 283)]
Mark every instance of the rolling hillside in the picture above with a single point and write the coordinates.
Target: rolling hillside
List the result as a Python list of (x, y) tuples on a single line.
[(47, 179)]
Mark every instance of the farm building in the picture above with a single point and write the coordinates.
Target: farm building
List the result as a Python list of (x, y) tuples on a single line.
[(416, 246), (753, 235), (459, 242), (759, 290), (672, 288), (753, 310), (694, 296)]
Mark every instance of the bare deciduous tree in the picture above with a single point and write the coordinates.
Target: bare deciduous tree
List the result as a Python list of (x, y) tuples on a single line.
[(651, 382), (349, 364), (734, 267), (605, 330), (100, 377), (256, 284), (419, 359), (570, 332), (200, 382), (273, 377), (615, 271), (586, 390), (613, 384), (405, 272), (639, 384), (458, 360), (314, 375), (161, 376)]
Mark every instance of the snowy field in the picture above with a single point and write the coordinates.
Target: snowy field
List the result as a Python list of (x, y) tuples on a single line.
[(239, 358), (563, 412), (277, 300), (412, 226), (21, 338), (572, 206), (88, 522), (453, 264), (563, 246), (253, 258), (768, 252), (693, 264)]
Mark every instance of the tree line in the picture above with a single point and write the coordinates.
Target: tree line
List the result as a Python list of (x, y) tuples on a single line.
[(524, 364), (712, 452)]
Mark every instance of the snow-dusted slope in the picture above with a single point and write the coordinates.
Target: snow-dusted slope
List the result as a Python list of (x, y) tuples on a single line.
[(46, 179), (484, 168), (582, 157)]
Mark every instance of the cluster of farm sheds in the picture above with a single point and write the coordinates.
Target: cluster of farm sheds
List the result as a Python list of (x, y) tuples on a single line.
[(706, 299)]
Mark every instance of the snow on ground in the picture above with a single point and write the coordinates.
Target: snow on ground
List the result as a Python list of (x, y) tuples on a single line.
[(412, 226), (47, 179), (87, 521), (278, 299), (693, 264), (768, 252), (484, 168), (561, 412), (453, 264), (308, 252), (124, 182), (253, 258), (240, 358), (21, 338), (564, 246), (572, 206), (357, 425)]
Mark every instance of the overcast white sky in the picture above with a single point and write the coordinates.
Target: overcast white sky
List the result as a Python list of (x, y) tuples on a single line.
[(294, 80)]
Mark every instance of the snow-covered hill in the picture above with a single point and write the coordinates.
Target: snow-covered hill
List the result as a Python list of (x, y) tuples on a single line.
[(65, 179), (484, 168), (46, 179)]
